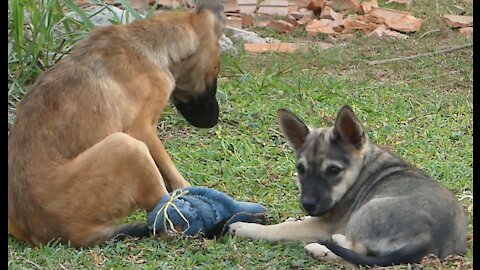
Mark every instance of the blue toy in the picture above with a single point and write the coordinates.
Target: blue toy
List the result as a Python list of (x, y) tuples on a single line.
[(201, 210)]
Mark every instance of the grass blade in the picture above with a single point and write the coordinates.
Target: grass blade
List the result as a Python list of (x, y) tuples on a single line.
[(80, 13)]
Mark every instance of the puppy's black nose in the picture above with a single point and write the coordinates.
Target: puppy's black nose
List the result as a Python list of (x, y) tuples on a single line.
[(309, 204)]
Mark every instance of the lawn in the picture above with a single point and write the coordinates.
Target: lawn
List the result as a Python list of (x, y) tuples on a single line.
[(421, 109)]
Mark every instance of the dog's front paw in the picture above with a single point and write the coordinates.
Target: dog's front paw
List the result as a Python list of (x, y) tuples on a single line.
[(320, 252), (245, 229)]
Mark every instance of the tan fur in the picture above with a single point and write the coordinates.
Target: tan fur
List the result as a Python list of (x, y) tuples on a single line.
[(80, 160)]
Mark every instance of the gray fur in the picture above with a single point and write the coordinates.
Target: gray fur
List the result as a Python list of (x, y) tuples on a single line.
[(388, 204)]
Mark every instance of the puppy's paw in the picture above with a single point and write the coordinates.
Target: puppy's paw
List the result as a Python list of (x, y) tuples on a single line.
[(320, 252), (245, 229), (341, 240), (338, 238)]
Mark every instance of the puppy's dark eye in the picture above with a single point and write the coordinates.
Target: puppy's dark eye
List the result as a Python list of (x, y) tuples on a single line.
[(300, 169), (333, 170)]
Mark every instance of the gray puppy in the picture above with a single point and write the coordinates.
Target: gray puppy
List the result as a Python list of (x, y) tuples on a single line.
[(366, 205)]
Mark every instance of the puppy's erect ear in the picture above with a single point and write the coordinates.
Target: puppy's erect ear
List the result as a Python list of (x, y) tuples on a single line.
[(216, 7), (348, 128), (293, 128)]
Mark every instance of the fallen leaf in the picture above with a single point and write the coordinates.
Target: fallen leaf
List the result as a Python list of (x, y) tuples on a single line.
[(367, 6), (467, 31), (458, 20), (273, 47)]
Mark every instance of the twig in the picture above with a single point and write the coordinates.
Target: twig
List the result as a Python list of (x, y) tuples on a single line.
[(32, 263), (447, 50), (428, 32)]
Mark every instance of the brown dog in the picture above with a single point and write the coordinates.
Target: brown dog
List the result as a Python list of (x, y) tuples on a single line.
[(84, 151)]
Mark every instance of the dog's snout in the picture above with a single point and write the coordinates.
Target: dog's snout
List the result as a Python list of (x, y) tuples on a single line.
[(309, 204)]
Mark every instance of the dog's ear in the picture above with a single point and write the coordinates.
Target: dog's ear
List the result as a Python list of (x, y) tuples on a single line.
[(348, 128), (293, 128), (216, 7)]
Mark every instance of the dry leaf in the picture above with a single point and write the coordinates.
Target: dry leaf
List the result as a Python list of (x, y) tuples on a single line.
[(272, 47), (458, 20)]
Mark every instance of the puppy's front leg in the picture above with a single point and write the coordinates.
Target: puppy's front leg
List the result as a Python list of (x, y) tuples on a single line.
[(308, 229)]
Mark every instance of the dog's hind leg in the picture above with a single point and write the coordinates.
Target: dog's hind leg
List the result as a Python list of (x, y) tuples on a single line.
[(104, 184)]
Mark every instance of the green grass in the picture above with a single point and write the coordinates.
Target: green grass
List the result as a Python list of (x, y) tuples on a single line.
[(422, 109)]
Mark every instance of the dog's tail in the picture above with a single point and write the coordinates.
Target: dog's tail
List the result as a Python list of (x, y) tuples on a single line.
[(408, 254)]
